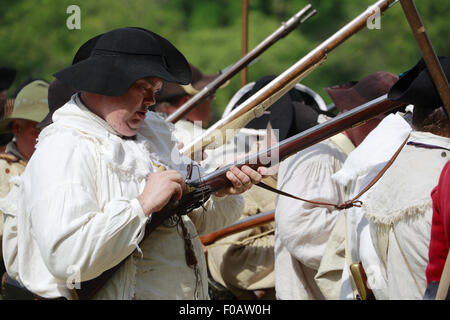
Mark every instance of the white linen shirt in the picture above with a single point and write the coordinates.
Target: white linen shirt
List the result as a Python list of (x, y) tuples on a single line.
[(361, 166), (76, 213), (302, 229), (399, 210)]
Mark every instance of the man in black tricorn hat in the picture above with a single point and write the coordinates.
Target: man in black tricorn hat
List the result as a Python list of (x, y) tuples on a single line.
[(101, 169)]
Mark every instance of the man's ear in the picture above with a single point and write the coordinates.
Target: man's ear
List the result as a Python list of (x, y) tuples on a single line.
[(16, 127), (183, 100)]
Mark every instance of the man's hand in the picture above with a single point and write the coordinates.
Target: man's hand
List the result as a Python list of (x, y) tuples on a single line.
[(159, 189), (242, 180)]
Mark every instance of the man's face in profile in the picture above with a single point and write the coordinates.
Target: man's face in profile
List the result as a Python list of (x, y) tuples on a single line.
[(127, 112)]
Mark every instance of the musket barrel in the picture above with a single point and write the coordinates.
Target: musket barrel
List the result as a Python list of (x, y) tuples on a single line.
[(217, 180), (281, 32), (287, 77)]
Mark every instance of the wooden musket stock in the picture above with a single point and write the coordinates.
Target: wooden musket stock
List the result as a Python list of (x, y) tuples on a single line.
[(290, 146), (281, 32), (217, 180), (287, 79), (238, 226)]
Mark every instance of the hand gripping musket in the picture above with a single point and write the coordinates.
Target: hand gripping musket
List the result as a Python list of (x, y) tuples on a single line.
[(255, 105), (286, 27), (290, 146), (199, 190)]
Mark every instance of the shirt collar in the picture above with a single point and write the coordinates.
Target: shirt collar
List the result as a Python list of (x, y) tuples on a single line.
[(11, 148), (429, 138), (94, 117)]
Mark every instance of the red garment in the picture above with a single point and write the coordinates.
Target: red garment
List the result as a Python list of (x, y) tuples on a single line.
[(440, 227)]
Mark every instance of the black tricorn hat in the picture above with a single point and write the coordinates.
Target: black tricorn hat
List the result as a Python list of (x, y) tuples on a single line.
[(122, 56), (58, 92), (7, 76), (416, 86), (86, 49)]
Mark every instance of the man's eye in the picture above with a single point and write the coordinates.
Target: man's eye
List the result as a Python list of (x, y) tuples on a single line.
[(157, 93)]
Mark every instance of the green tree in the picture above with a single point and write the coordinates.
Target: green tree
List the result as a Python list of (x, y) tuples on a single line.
[(35, 39)]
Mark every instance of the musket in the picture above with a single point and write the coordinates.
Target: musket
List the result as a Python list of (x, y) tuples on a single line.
[(244, 39), (217, 180), (428, 53), (240, 225), (255, 105), (286, 27), (294, 144), (199, 190)]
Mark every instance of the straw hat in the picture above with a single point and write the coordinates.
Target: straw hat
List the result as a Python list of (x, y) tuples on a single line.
[(30, 104)]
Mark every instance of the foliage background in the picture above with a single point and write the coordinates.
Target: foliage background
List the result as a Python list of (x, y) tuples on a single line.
[(34, 38)]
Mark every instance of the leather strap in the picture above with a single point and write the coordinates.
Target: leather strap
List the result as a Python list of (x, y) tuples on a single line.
[(426, 146), (344, 205), (349, 203)]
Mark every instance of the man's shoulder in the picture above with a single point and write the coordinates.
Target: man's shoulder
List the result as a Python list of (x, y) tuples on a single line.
[(65, 137), (324, 150), (315, 158), (11, 164), (8, 158)]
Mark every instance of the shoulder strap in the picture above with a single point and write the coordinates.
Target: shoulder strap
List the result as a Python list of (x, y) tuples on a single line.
[(349, 203), (10, 158)]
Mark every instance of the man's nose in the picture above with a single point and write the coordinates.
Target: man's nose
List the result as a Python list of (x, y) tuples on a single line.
[(149, 101)]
